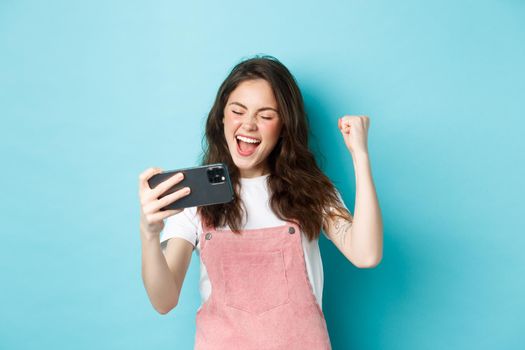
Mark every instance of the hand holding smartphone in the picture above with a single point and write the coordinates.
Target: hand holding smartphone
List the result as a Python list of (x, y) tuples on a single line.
[(209, 184), (163, 194)]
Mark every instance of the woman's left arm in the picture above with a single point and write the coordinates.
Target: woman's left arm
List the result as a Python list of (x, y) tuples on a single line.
[(361, 240)]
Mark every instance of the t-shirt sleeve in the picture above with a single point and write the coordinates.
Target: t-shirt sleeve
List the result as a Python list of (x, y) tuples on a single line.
[(331, 208), (183, 225)]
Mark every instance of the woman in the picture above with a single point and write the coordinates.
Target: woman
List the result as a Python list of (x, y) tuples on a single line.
[(261, 270)]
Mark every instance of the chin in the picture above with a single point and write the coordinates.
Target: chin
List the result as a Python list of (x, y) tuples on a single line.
[(244, 164)]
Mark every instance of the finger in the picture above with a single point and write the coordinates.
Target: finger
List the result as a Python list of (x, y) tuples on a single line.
[(345, 128), (145, 175), (161, 215), (156, 205), (166, 185), (172, 197), (149, 195), (345, 121)]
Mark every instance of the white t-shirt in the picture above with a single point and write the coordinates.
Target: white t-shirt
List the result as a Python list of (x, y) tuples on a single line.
[(255, 196)]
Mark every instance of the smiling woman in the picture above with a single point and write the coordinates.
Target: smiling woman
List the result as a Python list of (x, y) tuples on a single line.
[(258, 127), (261, 277)]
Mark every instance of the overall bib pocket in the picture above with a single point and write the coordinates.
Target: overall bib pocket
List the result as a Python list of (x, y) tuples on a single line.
[(255, 282)]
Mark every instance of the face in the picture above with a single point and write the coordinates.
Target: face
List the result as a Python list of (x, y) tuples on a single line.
[(251, 126)]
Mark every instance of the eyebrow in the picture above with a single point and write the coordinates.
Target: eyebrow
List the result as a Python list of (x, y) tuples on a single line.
[(260, 109)]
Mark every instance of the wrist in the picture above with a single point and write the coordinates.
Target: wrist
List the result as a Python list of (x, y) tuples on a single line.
[(358, 155), (148, 237)]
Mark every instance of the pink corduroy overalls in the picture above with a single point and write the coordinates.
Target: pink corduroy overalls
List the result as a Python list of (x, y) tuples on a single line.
[(261, 298)]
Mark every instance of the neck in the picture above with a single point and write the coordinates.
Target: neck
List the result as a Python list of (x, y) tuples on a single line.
[(250, 173)]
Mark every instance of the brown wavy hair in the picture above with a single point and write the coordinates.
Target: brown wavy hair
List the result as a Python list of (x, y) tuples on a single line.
[(300, 192)]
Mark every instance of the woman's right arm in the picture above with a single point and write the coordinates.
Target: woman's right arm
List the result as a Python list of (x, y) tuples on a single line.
[(162, 273)]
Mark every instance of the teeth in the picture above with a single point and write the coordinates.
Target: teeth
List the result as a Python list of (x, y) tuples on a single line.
[(245, 139)]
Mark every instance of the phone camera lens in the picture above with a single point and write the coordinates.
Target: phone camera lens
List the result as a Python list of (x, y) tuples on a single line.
[(216, 175)]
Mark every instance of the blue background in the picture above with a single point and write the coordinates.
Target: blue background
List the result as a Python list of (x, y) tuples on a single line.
[(92, 93)]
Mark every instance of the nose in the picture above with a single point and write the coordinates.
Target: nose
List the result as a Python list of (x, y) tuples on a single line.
[(249, 123)]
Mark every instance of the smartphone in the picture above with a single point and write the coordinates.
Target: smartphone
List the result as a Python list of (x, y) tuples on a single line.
[(209, 184)]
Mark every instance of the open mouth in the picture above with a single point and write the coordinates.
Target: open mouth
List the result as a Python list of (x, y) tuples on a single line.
[(246, 146)]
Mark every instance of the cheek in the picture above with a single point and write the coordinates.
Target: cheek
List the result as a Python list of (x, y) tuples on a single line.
[(228, 125), (271, 131), (231, 123)]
